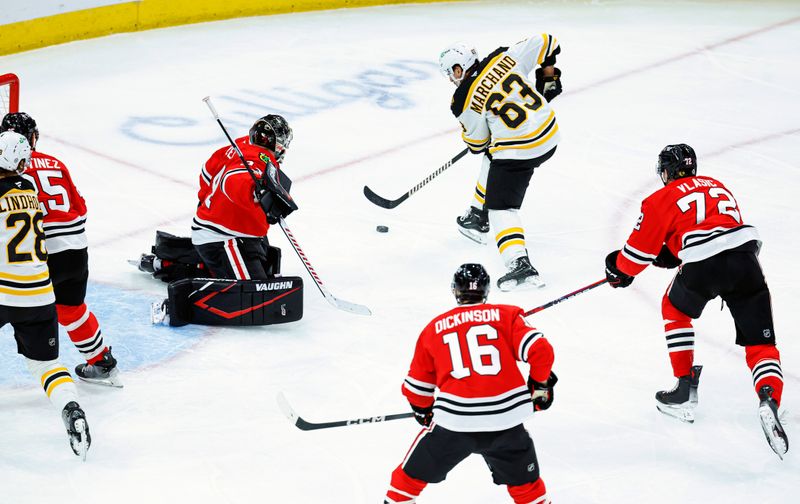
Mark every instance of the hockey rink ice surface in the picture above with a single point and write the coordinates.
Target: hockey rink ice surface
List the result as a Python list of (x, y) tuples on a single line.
[(198, 421)]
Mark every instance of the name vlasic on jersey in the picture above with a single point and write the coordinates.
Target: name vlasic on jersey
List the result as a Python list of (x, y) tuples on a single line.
[(24, 278), (696, 217), (63, 206), (470, 354), (499, 107)]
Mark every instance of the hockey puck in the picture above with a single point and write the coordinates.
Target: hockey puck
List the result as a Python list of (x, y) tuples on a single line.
[(382, 229)]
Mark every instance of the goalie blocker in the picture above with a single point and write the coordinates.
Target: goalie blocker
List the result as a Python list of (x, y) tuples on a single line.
[(217, 302)]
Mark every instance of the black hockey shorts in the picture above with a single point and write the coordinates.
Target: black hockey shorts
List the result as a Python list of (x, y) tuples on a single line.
[(509, 454), (508, 181), (35, 329), (237, 258), (69, 272), (734, 275)]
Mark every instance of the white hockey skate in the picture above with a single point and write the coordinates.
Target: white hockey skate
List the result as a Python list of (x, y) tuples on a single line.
[(78, 430), (103, 372), (771, 423), (681, 401), (521, 275), (159, 313)]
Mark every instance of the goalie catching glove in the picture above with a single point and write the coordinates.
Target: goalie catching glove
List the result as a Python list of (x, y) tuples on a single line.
[(548, 86), (542, 393), (273, 194)]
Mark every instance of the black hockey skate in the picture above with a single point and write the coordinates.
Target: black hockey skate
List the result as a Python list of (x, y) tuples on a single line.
[(78, 430), (474, 224), (521, 274), (103, 372), (771, 423), (681, 401)]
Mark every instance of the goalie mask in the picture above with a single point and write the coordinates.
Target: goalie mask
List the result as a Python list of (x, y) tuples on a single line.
[(676, 161), (23, 124), (272, 132), (471, 284), (457, 54), (15, 152)]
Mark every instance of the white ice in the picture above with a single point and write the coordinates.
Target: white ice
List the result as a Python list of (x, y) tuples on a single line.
[(197, 420)]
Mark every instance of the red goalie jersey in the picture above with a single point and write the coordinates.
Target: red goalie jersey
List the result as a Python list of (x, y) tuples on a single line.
[(470, 354), (63, 206), (696, 217), (228, 206)]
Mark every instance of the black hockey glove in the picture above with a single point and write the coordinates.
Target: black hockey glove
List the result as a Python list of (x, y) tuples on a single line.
[(549, 87), (665, 259), (615, 277), (542, 393), (273, 195), (423, 416)]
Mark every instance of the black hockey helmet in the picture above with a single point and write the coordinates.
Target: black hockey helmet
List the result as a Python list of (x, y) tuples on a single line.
[(272, 132), (471, 284), (23, 124), (676, 161)]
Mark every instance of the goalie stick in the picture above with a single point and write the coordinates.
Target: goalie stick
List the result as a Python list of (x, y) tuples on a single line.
[(565, 297), (385, 203), (305, 425), (333, 300)]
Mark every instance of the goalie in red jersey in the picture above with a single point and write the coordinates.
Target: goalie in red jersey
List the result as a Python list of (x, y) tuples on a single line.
[(694, 223), (470, 354), (64, 219)]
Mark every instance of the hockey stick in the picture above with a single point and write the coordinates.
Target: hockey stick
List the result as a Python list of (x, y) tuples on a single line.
[(305, 425), (385, 203), (338, 303), (565, 297)]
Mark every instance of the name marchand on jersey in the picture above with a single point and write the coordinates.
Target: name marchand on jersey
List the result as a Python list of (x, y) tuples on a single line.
[(494, 71)]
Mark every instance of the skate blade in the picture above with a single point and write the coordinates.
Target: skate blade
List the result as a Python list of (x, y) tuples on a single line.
[(682, 413), (113, 380), (531, 282), (80, 446), (481, 238), (773, 431)]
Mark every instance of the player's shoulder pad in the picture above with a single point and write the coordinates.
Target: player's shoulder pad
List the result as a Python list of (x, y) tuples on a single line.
[(461, 96), (17, 183)]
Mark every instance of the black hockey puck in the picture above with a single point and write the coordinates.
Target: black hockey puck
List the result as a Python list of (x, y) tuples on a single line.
[(382, 229)]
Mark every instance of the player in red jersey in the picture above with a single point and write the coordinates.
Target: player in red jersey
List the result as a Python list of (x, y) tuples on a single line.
[(470, 354), (229, 229), (64, 219), (694, 222)]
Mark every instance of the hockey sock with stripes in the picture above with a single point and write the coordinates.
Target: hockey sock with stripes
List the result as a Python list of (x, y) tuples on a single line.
[(509, 235), (56, 381), (83, 330), (679, 334), (529, 493), (764, 362), (404, 488)]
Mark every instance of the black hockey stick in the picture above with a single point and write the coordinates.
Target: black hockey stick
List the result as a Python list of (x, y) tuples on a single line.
[(385, 203), (305, 425), (336, 302), (565, 297)]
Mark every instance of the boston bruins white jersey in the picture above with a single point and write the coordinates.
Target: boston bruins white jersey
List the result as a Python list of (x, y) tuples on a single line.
[(499, 108), (24, 277)]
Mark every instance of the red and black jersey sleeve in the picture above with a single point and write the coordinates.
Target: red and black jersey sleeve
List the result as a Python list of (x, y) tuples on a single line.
[(531, 347), (420, 383), (647, 237)]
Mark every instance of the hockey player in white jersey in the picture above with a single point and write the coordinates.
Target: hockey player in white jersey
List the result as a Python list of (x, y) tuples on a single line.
[(27, 301), (509, 120)]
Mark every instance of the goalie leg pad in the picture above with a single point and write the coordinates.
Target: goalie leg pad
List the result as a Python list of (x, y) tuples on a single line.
[(217, 302)]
